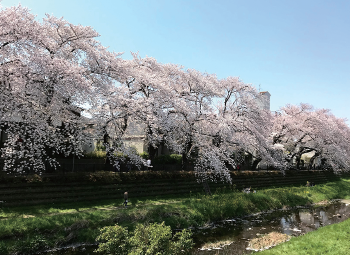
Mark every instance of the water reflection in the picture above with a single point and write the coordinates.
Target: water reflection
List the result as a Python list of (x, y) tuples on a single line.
[(290, 222)]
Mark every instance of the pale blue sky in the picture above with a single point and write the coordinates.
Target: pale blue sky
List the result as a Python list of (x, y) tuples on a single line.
[(297, 50)]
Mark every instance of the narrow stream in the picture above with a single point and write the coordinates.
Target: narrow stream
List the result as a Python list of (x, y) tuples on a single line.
[(239, 231), (291, 222)]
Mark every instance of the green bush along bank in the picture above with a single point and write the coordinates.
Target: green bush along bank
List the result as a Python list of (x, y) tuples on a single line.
[(147, 239)]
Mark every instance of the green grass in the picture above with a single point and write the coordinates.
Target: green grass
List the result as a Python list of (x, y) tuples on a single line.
[(34, 228), (333, 239)]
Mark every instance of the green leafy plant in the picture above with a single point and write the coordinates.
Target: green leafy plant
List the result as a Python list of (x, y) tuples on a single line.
[(100, 146), (152, 239), (144, 155), (114, 240), (104, 177), (97, 154), (34, 244)]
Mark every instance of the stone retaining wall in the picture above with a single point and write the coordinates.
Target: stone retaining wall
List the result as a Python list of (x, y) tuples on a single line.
[(16, 194)]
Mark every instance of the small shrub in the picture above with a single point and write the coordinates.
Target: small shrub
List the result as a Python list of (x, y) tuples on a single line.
[(34, 244), (104, 177), (4, 249), (34, 178), (149, 239), (183, 242), (144, 155), (95, 155), (100, 146), (114, 240)]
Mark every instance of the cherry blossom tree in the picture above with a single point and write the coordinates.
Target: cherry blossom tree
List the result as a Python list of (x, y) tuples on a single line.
[(141, 96), (302, 129), (48, 70), (192, 113), (226, 122)]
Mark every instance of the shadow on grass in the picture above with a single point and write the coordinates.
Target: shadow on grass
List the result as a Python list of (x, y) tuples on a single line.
[(335, 190), (57, 207), (52, 208)]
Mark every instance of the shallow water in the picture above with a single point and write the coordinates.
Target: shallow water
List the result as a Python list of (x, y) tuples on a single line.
[(292, 222)]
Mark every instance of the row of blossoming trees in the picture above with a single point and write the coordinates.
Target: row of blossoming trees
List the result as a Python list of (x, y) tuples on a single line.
[(51, 70)]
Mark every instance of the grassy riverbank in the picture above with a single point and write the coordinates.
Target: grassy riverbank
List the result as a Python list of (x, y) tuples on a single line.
[(333, 239), (35, 228)]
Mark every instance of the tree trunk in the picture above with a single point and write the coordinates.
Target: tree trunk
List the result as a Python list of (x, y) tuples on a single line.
[(298, 162), (256, 161), (108, 152), (206, 188), (312, 159), (184, 161), (152, 151)]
